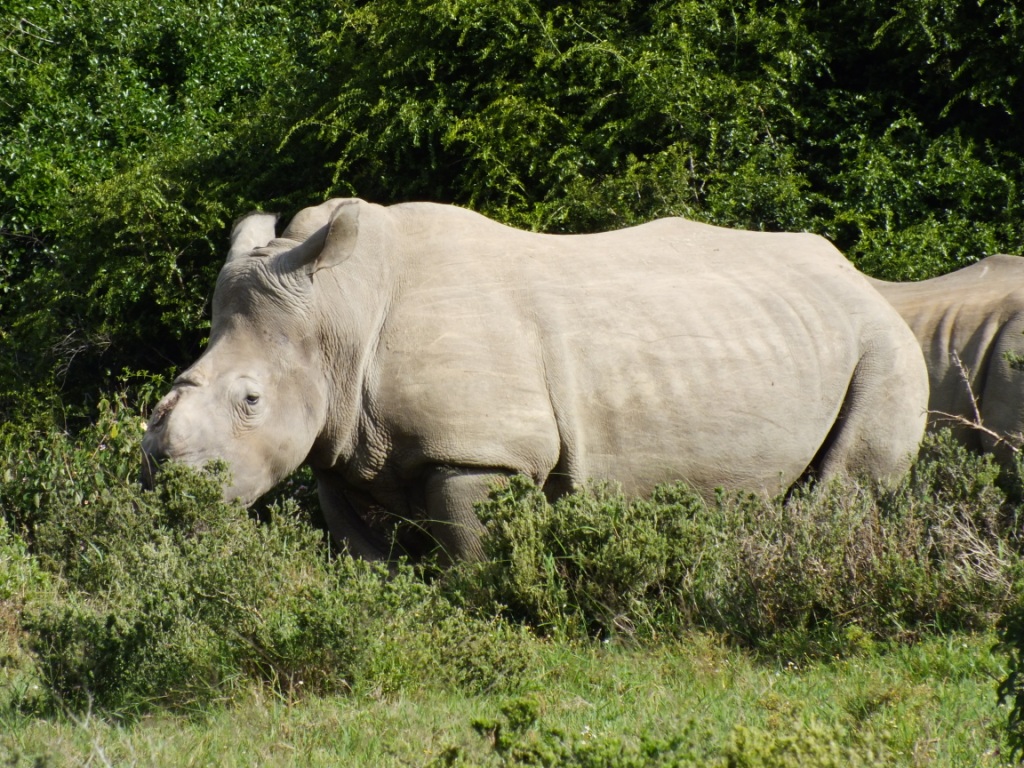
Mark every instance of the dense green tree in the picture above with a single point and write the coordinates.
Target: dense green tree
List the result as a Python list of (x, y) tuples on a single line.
[(132, 134)]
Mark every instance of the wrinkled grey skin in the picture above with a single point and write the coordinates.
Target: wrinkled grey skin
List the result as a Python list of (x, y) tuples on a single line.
[(415, 355), (976, 315)]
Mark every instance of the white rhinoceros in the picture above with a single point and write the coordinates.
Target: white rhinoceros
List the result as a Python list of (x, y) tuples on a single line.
[(414, 355), (970, 324)]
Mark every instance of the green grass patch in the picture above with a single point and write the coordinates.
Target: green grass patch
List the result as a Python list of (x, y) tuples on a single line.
[(696, 702)]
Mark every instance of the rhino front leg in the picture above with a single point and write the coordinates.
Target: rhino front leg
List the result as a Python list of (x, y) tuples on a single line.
[(451, 493), (345, 521)]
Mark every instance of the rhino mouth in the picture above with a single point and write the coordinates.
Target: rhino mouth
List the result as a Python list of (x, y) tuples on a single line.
[(150, 465)]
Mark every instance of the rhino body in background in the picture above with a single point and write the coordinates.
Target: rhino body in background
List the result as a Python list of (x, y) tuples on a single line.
[(970, 324), (416, 354)]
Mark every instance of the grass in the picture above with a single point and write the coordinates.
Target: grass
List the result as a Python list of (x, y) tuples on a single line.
[(930, 704)]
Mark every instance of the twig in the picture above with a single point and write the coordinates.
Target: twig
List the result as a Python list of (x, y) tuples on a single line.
[(965, 376), (976, 423), (20, 26)]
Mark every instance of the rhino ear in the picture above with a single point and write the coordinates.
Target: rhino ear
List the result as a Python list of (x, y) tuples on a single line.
[(251, 231), (332, 243), (342, 233)]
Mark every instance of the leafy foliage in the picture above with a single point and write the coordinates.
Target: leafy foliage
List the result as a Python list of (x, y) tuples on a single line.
[(825, 571), (518, 738), (1011, 687), (114, 115), (173, 597), (131, 135), (22, 580)]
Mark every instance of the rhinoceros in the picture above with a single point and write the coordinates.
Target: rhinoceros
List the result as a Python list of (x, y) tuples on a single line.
[(414, 355), (970, 324)]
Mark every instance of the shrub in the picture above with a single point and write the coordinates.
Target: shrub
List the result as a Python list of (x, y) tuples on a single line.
[(808, 744), (21, 580), (1011, 686), (121, 122), (173, 597), (825, 570), (518, 738), (45, 472), (589, 564), (204, 616), (20, 574)]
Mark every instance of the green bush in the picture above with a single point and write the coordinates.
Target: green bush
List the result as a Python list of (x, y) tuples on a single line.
[(809, 744), (20, 573), (130, 138), (173, 597), (211, 613), (45, 472), (589, 564), (131, 135), (1011, 685), (22, 580), (765, 117), (518, 738), (827, 570)]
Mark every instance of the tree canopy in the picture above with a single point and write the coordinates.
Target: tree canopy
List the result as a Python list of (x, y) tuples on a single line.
[(132, 134)]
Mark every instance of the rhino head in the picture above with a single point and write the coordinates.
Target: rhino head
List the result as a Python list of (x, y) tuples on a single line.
[(257, 398)]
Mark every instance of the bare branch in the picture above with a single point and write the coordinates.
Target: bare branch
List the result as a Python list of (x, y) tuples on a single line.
[(965, 376), (1013, 442), (23, 23), (963, 421)]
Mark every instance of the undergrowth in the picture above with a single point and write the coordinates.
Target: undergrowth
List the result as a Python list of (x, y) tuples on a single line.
[(518, 737), (123, 600), (822, 572), (171, 597)]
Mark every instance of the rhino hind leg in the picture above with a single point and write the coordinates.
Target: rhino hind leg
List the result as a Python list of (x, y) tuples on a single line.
[(881, 422)]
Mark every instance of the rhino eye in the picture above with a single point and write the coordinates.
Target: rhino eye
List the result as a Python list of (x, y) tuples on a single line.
[(252, 398)]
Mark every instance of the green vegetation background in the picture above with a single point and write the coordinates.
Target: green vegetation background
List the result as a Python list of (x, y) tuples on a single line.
[(133, 133)]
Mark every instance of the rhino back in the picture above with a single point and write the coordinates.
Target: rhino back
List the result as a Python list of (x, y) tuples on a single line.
[(633, 354)]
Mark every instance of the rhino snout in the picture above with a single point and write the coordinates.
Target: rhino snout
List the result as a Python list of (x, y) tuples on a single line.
[(154, 450)]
